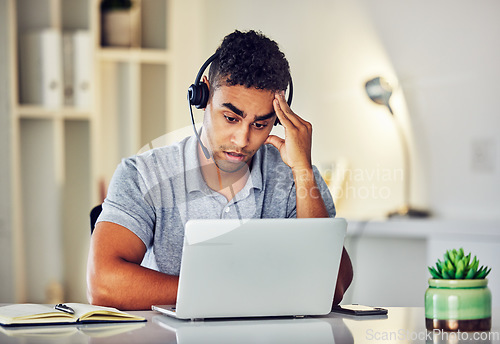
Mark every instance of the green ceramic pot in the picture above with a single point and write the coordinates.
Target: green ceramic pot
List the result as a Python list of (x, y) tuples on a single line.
[(458, 304)]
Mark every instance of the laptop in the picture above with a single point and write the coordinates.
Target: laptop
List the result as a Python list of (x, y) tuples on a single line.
[(258, 268)]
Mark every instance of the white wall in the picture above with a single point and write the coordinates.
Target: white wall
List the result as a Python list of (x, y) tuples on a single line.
[(446, 56), (443, 59)]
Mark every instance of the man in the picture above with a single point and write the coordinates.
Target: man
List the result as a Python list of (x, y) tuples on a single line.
[(134, 259)]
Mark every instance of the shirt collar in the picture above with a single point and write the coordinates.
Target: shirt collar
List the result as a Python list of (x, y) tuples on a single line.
[(256, 170)]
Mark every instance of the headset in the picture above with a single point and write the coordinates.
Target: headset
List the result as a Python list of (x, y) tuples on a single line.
[(198, 95)]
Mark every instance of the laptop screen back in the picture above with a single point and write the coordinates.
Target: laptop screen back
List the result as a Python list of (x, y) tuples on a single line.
[(259, 267)]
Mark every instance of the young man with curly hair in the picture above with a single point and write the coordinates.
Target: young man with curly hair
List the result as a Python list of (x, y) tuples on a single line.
[(136, 248)]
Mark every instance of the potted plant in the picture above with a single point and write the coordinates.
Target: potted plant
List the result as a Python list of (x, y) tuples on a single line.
[(458, 297), (119, 23)]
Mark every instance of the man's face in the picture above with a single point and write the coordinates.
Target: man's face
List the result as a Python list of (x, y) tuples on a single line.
[(237, 121)]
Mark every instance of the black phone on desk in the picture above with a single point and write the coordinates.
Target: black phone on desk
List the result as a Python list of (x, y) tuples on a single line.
[(356, 309)]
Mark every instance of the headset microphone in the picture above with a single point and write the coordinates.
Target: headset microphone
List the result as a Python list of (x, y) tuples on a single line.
[(203, 148), (198, 95)]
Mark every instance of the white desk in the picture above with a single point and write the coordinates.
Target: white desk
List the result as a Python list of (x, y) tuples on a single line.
[(402, 325)]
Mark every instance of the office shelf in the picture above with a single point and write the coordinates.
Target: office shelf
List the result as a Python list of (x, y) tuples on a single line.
[(40, 112), (60, 156), (134, 55), (36, 112)]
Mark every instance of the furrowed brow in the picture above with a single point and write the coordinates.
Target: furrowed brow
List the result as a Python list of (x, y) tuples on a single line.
[(264, 117), (234, 109), (240, 113)]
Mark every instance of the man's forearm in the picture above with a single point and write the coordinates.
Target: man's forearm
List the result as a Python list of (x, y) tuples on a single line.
[(308, 196), (116, 278), (129, 286)]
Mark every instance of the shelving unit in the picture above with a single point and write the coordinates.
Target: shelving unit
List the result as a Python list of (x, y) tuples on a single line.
[(46, 233), (57, 158)]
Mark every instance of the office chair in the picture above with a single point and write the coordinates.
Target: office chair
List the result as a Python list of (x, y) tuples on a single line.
[(94, 214)]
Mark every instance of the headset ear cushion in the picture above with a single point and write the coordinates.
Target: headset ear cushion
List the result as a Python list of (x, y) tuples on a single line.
[(193, 95), (198, 95), (203, 94)]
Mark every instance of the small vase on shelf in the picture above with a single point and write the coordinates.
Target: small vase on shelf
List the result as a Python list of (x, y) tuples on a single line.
[(119, 23)]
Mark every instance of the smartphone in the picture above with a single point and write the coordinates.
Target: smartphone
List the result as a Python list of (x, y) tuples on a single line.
[(355, 309)]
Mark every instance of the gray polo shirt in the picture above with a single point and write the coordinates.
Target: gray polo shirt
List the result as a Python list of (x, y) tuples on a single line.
[(155, 193)]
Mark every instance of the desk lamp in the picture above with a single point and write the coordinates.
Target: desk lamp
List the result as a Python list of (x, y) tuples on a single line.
[(379, 91)]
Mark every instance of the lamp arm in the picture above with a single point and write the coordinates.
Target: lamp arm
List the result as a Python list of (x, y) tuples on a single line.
[(406, 161)]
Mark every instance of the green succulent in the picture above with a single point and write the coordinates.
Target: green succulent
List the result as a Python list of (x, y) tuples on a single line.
[(457, 265)]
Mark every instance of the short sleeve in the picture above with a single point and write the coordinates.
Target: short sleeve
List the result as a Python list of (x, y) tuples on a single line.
[(126, 204), (325, 193)]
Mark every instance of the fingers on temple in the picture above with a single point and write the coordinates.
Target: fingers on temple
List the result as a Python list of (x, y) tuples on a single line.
[(287, 116)]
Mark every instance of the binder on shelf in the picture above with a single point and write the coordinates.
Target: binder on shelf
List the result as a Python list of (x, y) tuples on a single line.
[(40, 68), (77, 68), (82, 68), (68, 66)]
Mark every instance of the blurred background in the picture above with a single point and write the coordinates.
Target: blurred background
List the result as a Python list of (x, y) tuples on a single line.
[(85, 84)]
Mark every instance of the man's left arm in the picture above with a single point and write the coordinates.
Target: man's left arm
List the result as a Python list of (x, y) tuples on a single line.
[(295, 151)]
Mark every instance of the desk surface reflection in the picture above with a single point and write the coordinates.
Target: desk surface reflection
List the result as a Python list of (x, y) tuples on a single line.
[(401, 325)]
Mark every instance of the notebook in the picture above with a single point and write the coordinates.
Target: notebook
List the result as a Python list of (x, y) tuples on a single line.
[(258, 268), (27, 314)]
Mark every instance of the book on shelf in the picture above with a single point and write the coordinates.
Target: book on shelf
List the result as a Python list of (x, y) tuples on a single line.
[(27, 314), (40, 68)]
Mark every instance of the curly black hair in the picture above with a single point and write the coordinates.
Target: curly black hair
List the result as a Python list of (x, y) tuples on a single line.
[(249, 59)]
